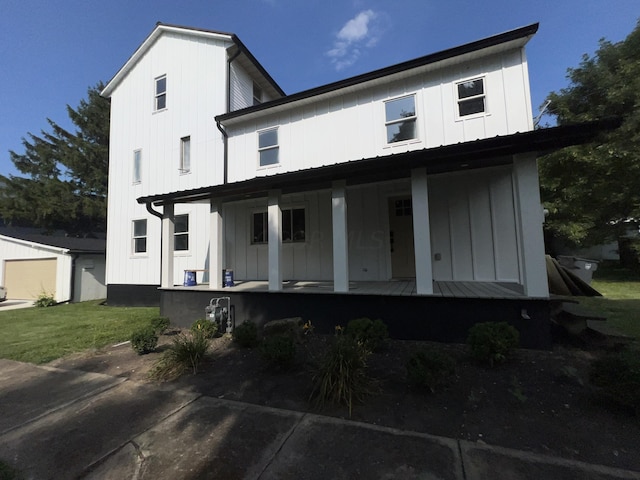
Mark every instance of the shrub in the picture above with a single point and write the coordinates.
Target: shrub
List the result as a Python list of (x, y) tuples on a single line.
[(371, 333), (617, 377), (7, 472), (206, 327), (44, 300), (279, 350), (160, 324), (144, 340), (429, 369), (342, 376), (246, 334), (187, 351), (492, 342)]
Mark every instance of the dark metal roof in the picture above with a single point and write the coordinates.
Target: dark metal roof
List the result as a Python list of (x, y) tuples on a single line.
[(511, 35), (73, 244), (461, 156)]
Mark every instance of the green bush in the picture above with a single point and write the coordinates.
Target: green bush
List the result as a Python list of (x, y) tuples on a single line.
[(206, 327), (246, 334), (160, 324), (492, 342), (144, 340), (342, 376), (429, 369), (44, 300), (371, 333), (617, 376), (7, 472), (186, 352), (279, 350)]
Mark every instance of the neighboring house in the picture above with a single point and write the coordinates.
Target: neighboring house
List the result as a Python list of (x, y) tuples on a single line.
[(70, 269), (409, 193)]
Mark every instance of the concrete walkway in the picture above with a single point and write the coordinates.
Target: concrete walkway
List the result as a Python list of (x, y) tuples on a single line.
[(65, 424)]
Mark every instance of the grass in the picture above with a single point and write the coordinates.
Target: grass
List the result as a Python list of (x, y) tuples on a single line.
[(39, 335), (620, 302)]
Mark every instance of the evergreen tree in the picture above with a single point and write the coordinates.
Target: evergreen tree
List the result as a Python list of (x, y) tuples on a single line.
[(64, 174)]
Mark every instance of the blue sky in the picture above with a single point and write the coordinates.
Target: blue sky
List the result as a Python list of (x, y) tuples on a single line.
[(51, 51)]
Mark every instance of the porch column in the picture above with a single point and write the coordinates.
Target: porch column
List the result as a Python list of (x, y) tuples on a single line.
[(529, 220), (168, 230), (274, 214), (340, 237), (421, 231), (216, 245)]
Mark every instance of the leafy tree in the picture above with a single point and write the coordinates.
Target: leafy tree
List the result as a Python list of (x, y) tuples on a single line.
[(64, 174), (592, 191)]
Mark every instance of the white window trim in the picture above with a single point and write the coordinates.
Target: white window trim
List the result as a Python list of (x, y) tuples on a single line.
[(385, 123), (271, 147), (133, 238), (134, 180), (456, 100), (187, 252), (156, 95), (181, 169)]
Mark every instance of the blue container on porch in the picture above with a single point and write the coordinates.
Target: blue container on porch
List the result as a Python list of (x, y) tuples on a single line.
[(228, 278), (189, 278)]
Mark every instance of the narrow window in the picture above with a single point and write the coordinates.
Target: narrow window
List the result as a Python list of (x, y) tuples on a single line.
[(260, 228), (400, 119), (161, 93), (257, 94), (181, 233), (185, 154), (137, 166), (268, 147), (140, 236), (471, 97)]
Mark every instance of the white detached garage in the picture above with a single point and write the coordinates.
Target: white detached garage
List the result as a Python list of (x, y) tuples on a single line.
[(70, 269)]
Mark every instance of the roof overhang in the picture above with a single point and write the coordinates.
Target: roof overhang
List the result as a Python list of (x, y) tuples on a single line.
[(509, 40), (448, 158)]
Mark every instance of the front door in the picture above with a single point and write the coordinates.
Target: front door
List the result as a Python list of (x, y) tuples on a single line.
[(403, 260)]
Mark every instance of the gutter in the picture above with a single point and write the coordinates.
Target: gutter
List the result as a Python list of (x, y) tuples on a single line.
[(150, 209)]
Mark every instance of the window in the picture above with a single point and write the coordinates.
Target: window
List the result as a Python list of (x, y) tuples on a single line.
[(139, 236), (400, 119), (161, 93), (257, 94), (185, 154), (293, 226), (403, 207), (181, 233), (268, 147), (137, 166), (471, 97)]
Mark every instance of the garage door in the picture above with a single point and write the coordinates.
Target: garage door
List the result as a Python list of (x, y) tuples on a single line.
[(26, 279)]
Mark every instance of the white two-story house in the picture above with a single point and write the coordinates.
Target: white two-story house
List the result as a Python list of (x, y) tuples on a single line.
[(408, 193)]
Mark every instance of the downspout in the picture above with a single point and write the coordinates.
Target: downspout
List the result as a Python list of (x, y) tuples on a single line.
[(159, 215), (225, 137)]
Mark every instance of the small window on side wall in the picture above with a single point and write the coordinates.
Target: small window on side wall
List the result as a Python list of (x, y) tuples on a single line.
[(400, 119), (137, 166), (161, 93), (181, 233), (185, 155), (268, 149), (471, 97), (139, 236)]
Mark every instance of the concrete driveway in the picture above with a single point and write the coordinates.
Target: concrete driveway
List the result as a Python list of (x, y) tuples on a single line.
[(15, 304)]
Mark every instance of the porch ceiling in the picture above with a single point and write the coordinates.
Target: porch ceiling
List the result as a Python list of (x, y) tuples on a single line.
[(462, 156)]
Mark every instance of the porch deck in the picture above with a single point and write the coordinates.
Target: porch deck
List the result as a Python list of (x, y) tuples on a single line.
[(405, 288)]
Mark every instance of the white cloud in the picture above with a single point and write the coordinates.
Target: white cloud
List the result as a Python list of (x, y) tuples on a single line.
[(358, 33)]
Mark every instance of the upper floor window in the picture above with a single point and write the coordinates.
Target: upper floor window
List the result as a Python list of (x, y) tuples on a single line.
[(139, 236), (137, 166), (293, 226), (268, 147), (400, 119), (185, 154), (181, 233), (471, 97), (161, 93), (257, 94)]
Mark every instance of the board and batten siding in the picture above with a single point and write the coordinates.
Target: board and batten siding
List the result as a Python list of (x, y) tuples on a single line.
[(195, 68), (351, 126)]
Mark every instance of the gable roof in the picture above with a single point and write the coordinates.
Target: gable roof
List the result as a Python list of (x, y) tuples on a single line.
[(72, 244), (246, 57), (502, 41)]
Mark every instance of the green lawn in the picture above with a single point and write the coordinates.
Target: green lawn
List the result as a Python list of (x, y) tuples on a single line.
[(39, 335), (620, 302)]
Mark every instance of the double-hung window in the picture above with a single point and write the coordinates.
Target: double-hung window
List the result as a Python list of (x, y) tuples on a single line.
[(137, 166), (293, 226), (161, 93), (185, 154), (400, 119), (139, 236), (268, 148), (181, 233), (471, 97)]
